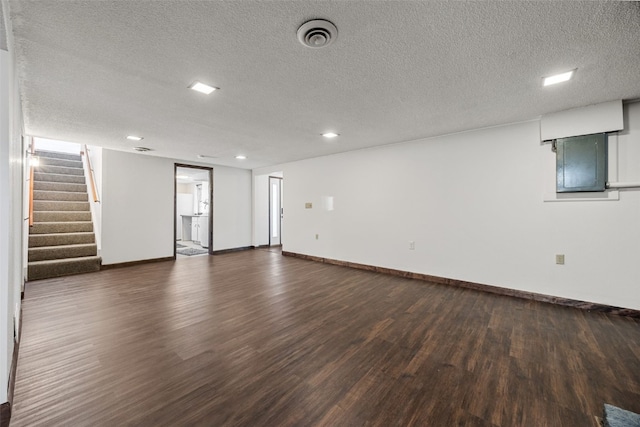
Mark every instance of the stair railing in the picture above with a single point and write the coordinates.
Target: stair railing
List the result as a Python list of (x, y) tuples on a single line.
[(32, 166), (92, 180)]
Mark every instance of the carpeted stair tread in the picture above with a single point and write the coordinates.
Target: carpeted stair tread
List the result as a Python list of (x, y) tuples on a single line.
[(57, 177), (53, 239), (63, 267), (618, 417), (57, 155), (59, 186), (50, 161), (54, 205), (67, 196), (62, 251), (61, 216), (62, 170), (61, 227)]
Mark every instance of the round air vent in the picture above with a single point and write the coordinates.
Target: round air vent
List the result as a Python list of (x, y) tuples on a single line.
[(317, 33)]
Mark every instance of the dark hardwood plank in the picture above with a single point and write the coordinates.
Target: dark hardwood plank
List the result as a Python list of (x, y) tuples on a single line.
[(254, 338), (590, 306)]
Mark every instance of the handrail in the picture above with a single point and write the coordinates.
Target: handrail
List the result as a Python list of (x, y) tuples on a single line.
[(32, 152), (94, 191)]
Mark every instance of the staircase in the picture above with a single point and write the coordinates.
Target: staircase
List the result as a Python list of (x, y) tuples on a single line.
[(61, 240)]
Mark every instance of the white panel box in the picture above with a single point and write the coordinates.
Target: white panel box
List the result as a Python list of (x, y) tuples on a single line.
[(598, 118)]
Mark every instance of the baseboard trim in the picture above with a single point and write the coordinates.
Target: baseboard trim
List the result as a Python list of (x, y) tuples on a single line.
[(567, 302), (5, 408), (228, 251), (14, 361), (133, 263)]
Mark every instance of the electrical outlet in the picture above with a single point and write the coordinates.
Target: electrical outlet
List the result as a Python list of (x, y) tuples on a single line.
[(317, 236), (560, 259), (412, 245), (308, 205)]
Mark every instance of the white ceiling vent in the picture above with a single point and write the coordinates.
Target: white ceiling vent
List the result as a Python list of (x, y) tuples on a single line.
[(142, 149), (317, 33)]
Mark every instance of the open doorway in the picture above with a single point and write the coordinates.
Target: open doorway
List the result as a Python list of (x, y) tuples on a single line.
[(269, 225), (275, 211), (193, 211)]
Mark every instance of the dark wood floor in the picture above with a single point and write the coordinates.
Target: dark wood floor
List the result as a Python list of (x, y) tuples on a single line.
[(256, 339)]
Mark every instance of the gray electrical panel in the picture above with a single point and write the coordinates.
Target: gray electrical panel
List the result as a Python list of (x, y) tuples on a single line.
[(581, 163)]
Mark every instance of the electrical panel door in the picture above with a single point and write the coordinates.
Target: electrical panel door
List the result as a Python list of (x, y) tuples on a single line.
[(581, 163)]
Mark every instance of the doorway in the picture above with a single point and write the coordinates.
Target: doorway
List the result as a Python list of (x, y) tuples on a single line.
[(275, 211), (193, 211)]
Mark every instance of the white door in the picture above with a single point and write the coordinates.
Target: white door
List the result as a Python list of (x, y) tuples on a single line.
[(275, 211)]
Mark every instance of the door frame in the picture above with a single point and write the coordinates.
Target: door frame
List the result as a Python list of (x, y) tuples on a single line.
[(175, 203), (281, 208)]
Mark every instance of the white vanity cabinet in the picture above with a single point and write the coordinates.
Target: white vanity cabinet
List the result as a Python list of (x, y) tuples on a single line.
[(197, 226)]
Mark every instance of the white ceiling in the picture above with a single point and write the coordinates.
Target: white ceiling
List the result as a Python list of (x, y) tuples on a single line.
[(192, 175), (96, 71)]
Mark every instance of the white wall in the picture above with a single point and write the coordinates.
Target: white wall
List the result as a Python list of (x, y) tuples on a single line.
[(137, 207), (138, 203), (261, 210), (473, 204), (231, 208), (56, 145), (11, 216), (5, 227)]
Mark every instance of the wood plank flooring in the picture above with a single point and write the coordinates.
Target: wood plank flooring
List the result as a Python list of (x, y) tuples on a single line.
[(256, 339)]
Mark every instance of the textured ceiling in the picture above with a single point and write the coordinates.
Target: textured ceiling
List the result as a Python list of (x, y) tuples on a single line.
[(96, 71)]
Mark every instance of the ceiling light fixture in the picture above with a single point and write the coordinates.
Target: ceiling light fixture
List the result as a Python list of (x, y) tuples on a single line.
[(241, 157), (202, 88), (134, 138), (142, 149), (557, 78), (204, 156), (317, 33), (330, 135)]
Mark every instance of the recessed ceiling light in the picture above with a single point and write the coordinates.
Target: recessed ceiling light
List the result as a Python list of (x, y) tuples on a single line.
[(330, 134), (241, 157), (204, 156), (134, 138), (558, 78), (202, 88)]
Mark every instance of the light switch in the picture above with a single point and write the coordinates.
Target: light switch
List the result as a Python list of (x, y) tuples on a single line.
[(560, 259), (308, 205)]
